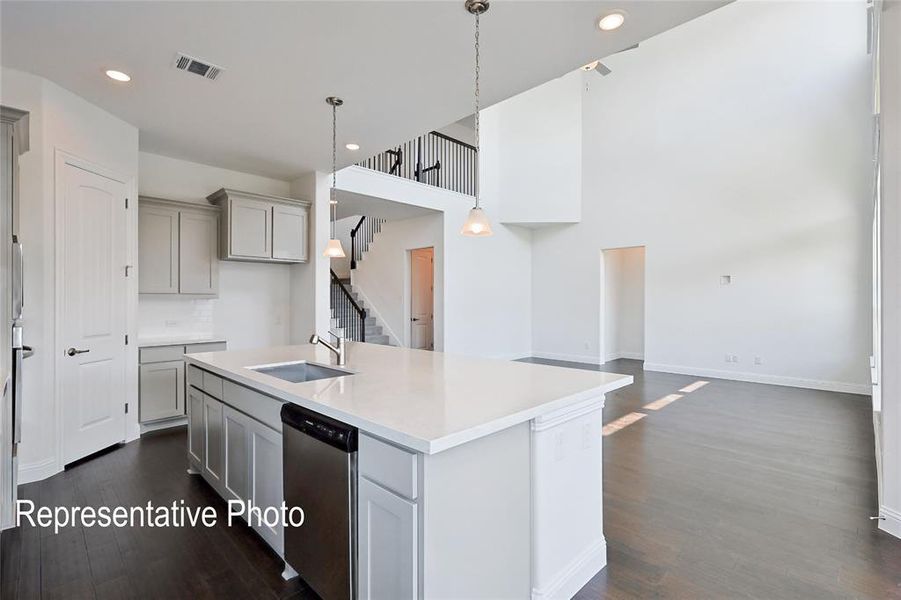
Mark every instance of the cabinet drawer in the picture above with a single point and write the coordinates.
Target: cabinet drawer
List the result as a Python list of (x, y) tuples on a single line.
[(263, 408), (212, 385), (389, 466), (195, 377), (208, 347), (161, 354)]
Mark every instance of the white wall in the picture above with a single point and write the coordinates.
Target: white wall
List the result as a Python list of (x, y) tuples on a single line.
[(540, 132), (383, 276), (310, 300), (462, 131), (891, 269), (62, 121), (253, 308), (736, 144), (487, 281), (623, 303)]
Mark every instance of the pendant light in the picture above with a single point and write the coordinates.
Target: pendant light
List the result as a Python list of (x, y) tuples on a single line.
[(333, 249), (477, 224)]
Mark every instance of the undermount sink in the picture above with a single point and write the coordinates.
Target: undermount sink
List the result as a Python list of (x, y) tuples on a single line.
[(298, 372)]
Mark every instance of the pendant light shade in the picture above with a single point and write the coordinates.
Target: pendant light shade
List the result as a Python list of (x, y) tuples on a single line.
[(334, 249), (477, 224)]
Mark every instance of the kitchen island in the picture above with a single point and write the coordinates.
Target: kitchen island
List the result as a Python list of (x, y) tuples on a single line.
[(476, 477)]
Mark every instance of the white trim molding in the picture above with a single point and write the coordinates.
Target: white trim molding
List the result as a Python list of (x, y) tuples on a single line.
[(864, 389), (39, 470), (625, 354), (891, 521), (576, 574), (588, 359)]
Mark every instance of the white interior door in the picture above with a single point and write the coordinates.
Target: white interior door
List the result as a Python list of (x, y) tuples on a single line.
[(93, 325), (421, 299)]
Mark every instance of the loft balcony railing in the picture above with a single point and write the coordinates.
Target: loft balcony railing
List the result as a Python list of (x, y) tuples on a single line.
[(434, 159)]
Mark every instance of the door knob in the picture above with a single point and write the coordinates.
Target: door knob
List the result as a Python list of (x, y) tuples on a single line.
[(73, 351), (414, 319)]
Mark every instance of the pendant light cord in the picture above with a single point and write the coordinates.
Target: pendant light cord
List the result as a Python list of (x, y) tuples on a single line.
[(333, 197), (478, 147)]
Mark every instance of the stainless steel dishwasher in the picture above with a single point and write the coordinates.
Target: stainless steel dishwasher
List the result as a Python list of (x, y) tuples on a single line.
[(320, 475)]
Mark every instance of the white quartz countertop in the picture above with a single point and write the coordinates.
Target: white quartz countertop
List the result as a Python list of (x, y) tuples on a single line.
[(174, 340), (425, 401)]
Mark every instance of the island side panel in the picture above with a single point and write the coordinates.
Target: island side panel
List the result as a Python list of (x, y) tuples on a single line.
[(568, 544), (476, 518)]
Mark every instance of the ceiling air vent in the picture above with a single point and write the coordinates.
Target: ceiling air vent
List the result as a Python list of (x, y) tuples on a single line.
[(183, 62)]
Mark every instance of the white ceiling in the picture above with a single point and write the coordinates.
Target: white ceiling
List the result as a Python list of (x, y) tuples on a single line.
[(403, 68)]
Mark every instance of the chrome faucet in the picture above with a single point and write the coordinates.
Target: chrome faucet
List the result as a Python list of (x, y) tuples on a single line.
[(339, 350)]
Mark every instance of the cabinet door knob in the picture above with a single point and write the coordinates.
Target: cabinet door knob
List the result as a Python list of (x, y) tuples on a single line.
[(73, 351)]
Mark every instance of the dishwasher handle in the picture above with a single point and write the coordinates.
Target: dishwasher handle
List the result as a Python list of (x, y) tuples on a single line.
[(325, 429)]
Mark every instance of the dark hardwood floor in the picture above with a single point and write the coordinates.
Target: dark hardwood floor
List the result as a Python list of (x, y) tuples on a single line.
[(740, 490), (731, 490)]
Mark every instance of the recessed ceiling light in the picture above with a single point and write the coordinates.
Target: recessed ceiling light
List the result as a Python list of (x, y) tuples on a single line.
[(612, 21), (118, 75), (352, 146)]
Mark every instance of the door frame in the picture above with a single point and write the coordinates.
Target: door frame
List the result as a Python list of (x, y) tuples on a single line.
[(408, 297), (61, 159), (602, 303)]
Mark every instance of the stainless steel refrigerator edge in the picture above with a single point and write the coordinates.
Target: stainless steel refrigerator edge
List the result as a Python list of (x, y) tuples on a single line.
[(13, 351)]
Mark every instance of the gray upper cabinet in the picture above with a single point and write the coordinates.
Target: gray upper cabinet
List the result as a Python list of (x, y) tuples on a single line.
[(198, 259), (262, 228), (289, 232), (157, 249), (177, 248)]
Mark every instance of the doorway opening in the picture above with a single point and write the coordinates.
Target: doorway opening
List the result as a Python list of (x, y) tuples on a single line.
[(622, 303), (422, 298)]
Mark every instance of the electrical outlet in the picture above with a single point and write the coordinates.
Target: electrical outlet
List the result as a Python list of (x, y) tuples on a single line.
[(587, 345), (758, 360), (728, 358), (171, 323), (734, 358)]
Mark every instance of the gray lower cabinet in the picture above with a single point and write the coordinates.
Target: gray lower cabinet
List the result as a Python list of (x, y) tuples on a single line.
[(388, 544), (196, 438), (162, 391), (213, 441), (238, 455), (178, 246), (162, 388), (236, 429), (266, 487)]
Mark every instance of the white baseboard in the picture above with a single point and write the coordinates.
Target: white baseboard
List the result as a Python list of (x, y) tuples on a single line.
[(38, 471), (798, 382), (624, 354), (892, 522), (576, 574), (589, 359), (166, 424)]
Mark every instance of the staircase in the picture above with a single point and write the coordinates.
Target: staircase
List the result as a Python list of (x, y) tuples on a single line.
[(374, 332), (349, 312)]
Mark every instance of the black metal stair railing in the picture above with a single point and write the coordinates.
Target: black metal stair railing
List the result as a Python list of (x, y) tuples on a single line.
[(351, 317), (434, 159), (361, 236)]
